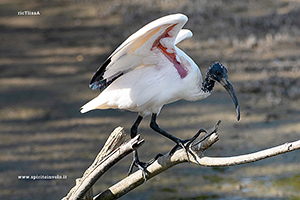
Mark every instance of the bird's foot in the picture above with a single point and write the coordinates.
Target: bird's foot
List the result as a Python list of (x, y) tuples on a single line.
[(185, 144), (142, 165)]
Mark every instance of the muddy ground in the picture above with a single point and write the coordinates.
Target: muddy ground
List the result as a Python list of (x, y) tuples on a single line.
[(46, 62)]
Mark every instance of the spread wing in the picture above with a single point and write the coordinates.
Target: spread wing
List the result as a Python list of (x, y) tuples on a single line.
[(163, 33)]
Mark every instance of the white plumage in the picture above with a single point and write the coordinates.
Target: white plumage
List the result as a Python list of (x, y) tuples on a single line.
[(148, 71), (150, 79)]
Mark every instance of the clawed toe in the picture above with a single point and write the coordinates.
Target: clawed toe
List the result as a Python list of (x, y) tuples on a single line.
[(185, 144), (142, 165)]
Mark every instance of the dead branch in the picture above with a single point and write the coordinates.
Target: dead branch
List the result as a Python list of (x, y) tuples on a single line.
[(180, 156), (248, 158), (163, 163), (113, 151)]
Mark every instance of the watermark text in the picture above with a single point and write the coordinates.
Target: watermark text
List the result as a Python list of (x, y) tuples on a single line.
[(42, 177), (29, 13)]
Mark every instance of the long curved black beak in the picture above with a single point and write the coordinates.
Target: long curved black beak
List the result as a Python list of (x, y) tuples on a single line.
[(228, 86)]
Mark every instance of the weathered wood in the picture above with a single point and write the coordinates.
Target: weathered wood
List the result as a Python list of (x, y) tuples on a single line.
[(161, 164), (114, 150), (164, 162), (252, 157)]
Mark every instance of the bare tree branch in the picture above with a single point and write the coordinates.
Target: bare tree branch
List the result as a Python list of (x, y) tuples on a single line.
[(180, 156), (161, 164), (113, 151), (248, 158)]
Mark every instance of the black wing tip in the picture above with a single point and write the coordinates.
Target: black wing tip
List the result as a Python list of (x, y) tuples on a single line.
[(98, 75), (104, 83), (98, 81), (94, 86), (101, 85)]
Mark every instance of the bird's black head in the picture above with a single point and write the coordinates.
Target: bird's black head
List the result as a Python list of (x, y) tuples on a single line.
[(218, 72)]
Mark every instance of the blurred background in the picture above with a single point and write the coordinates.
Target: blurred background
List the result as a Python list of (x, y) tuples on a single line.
[(46, 63)]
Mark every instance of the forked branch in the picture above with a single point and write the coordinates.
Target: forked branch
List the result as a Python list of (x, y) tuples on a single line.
[(180, 156), (114, 150)]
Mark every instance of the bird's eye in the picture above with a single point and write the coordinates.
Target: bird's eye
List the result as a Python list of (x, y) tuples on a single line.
[(218, 73)]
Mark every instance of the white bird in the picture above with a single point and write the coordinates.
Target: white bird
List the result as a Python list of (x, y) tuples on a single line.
[(148, 71)]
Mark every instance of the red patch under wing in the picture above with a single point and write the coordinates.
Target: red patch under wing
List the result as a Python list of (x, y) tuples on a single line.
[(171, 56)]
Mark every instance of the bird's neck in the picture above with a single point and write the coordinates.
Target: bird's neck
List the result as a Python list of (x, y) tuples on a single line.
[(208, 85)]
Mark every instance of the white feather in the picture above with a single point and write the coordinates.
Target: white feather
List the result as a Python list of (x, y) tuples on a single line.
[(134, 49), (151, 79), (183, 34)]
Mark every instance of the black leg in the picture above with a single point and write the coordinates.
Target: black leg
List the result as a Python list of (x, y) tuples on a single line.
[(157, 129), (133, 133), (185, 144), (135, 126), (136, 161)]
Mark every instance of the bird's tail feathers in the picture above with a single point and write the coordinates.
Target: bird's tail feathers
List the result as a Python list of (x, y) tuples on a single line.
[(92, 105)]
